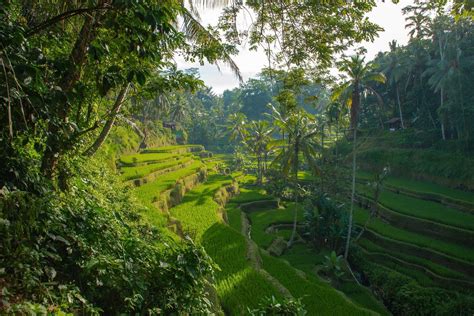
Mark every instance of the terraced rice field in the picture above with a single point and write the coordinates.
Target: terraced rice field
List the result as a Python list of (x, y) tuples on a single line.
[(149, 192), (317, 296), (436, 248), (240, 283)]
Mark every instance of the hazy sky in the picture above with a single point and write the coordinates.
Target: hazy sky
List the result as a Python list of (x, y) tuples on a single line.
[(386, 14)]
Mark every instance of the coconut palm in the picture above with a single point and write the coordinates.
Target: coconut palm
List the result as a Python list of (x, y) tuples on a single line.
[(236, 125), (300, 128), (360, 77), (257, 138), (396, 68)]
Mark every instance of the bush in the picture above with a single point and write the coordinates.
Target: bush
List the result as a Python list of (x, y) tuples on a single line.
[(271, 306), (87, 251), (404, 296)]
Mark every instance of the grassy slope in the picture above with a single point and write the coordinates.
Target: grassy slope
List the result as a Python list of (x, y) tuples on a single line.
[(436, 268), (422, 187), (423, 209), (136, 172), (151, 190), (262, 219), (238, 284), (147, 158), (377, 225), (313, 288), (306, 259), (318, 298), (174, 149), (198, 210)]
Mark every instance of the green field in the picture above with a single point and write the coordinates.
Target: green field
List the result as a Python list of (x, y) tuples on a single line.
[(179, 149), (422, 209), (137, 172), (198, 211), (377, 225), (142, 158), (318, 298), (433, 267), (421, 187), (150, 191), (262, 219), (238, 284)]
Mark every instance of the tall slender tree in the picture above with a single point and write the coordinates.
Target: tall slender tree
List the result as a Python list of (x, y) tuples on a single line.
[(301, 130), (360, 76)]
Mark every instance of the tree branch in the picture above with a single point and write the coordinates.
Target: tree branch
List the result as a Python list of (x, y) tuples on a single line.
[(63, 16)]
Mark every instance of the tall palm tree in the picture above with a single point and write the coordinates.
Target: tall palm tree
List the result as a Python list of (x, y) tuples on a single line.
[(300, 129), (396, 68), (257, 138), (360, 74), (236, 125), (360, 77)]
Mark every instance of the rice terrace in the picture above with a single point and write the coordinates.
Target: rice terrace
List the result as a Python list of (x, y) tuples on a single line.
[(236, 157)]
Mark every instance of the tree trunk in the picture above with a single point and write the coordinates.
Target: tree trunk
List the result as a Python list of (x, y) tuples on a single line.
[(77, 58), (399, 106), (443, 131), (110, 122), (355, 105), (349, 230), (296, 166)]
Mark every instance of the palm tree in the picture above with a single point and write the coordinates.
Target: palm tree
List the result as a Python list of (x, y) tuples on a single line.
[(237, 123), (395, 70), (300, 129), (257, 138), (360, 76)]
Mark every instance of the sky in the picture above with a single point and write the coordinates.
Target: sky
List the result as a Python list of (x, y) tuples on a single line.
[(385, 14)]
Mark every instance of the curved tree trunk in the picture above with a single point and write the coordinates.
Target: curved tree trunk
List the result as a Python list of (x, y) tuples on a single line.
[(110, 122)]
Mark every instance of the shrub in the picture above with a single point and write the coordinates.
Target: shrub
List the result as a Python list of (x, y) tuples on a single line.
[(88, 251), (272, 306)]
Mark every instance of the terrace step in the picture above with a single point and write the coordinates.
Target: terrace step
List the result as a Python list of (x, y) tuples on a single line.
[(426, 253), (419, 225), (154, 175), (460, 205), (178, 149), (427, 210), (441, 280), (461, 200)]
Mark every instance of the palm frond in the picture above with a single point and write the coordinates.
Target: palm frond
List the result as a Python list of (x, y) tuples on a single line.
[(196, 32)]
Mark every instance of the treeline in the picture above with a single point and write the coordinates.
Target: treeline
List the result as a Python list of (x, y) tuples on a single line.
[(429, 81)]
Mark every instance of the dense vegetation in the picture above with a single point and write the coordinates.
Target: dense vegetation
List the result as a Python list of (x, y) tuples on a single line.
[(127, 186)]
